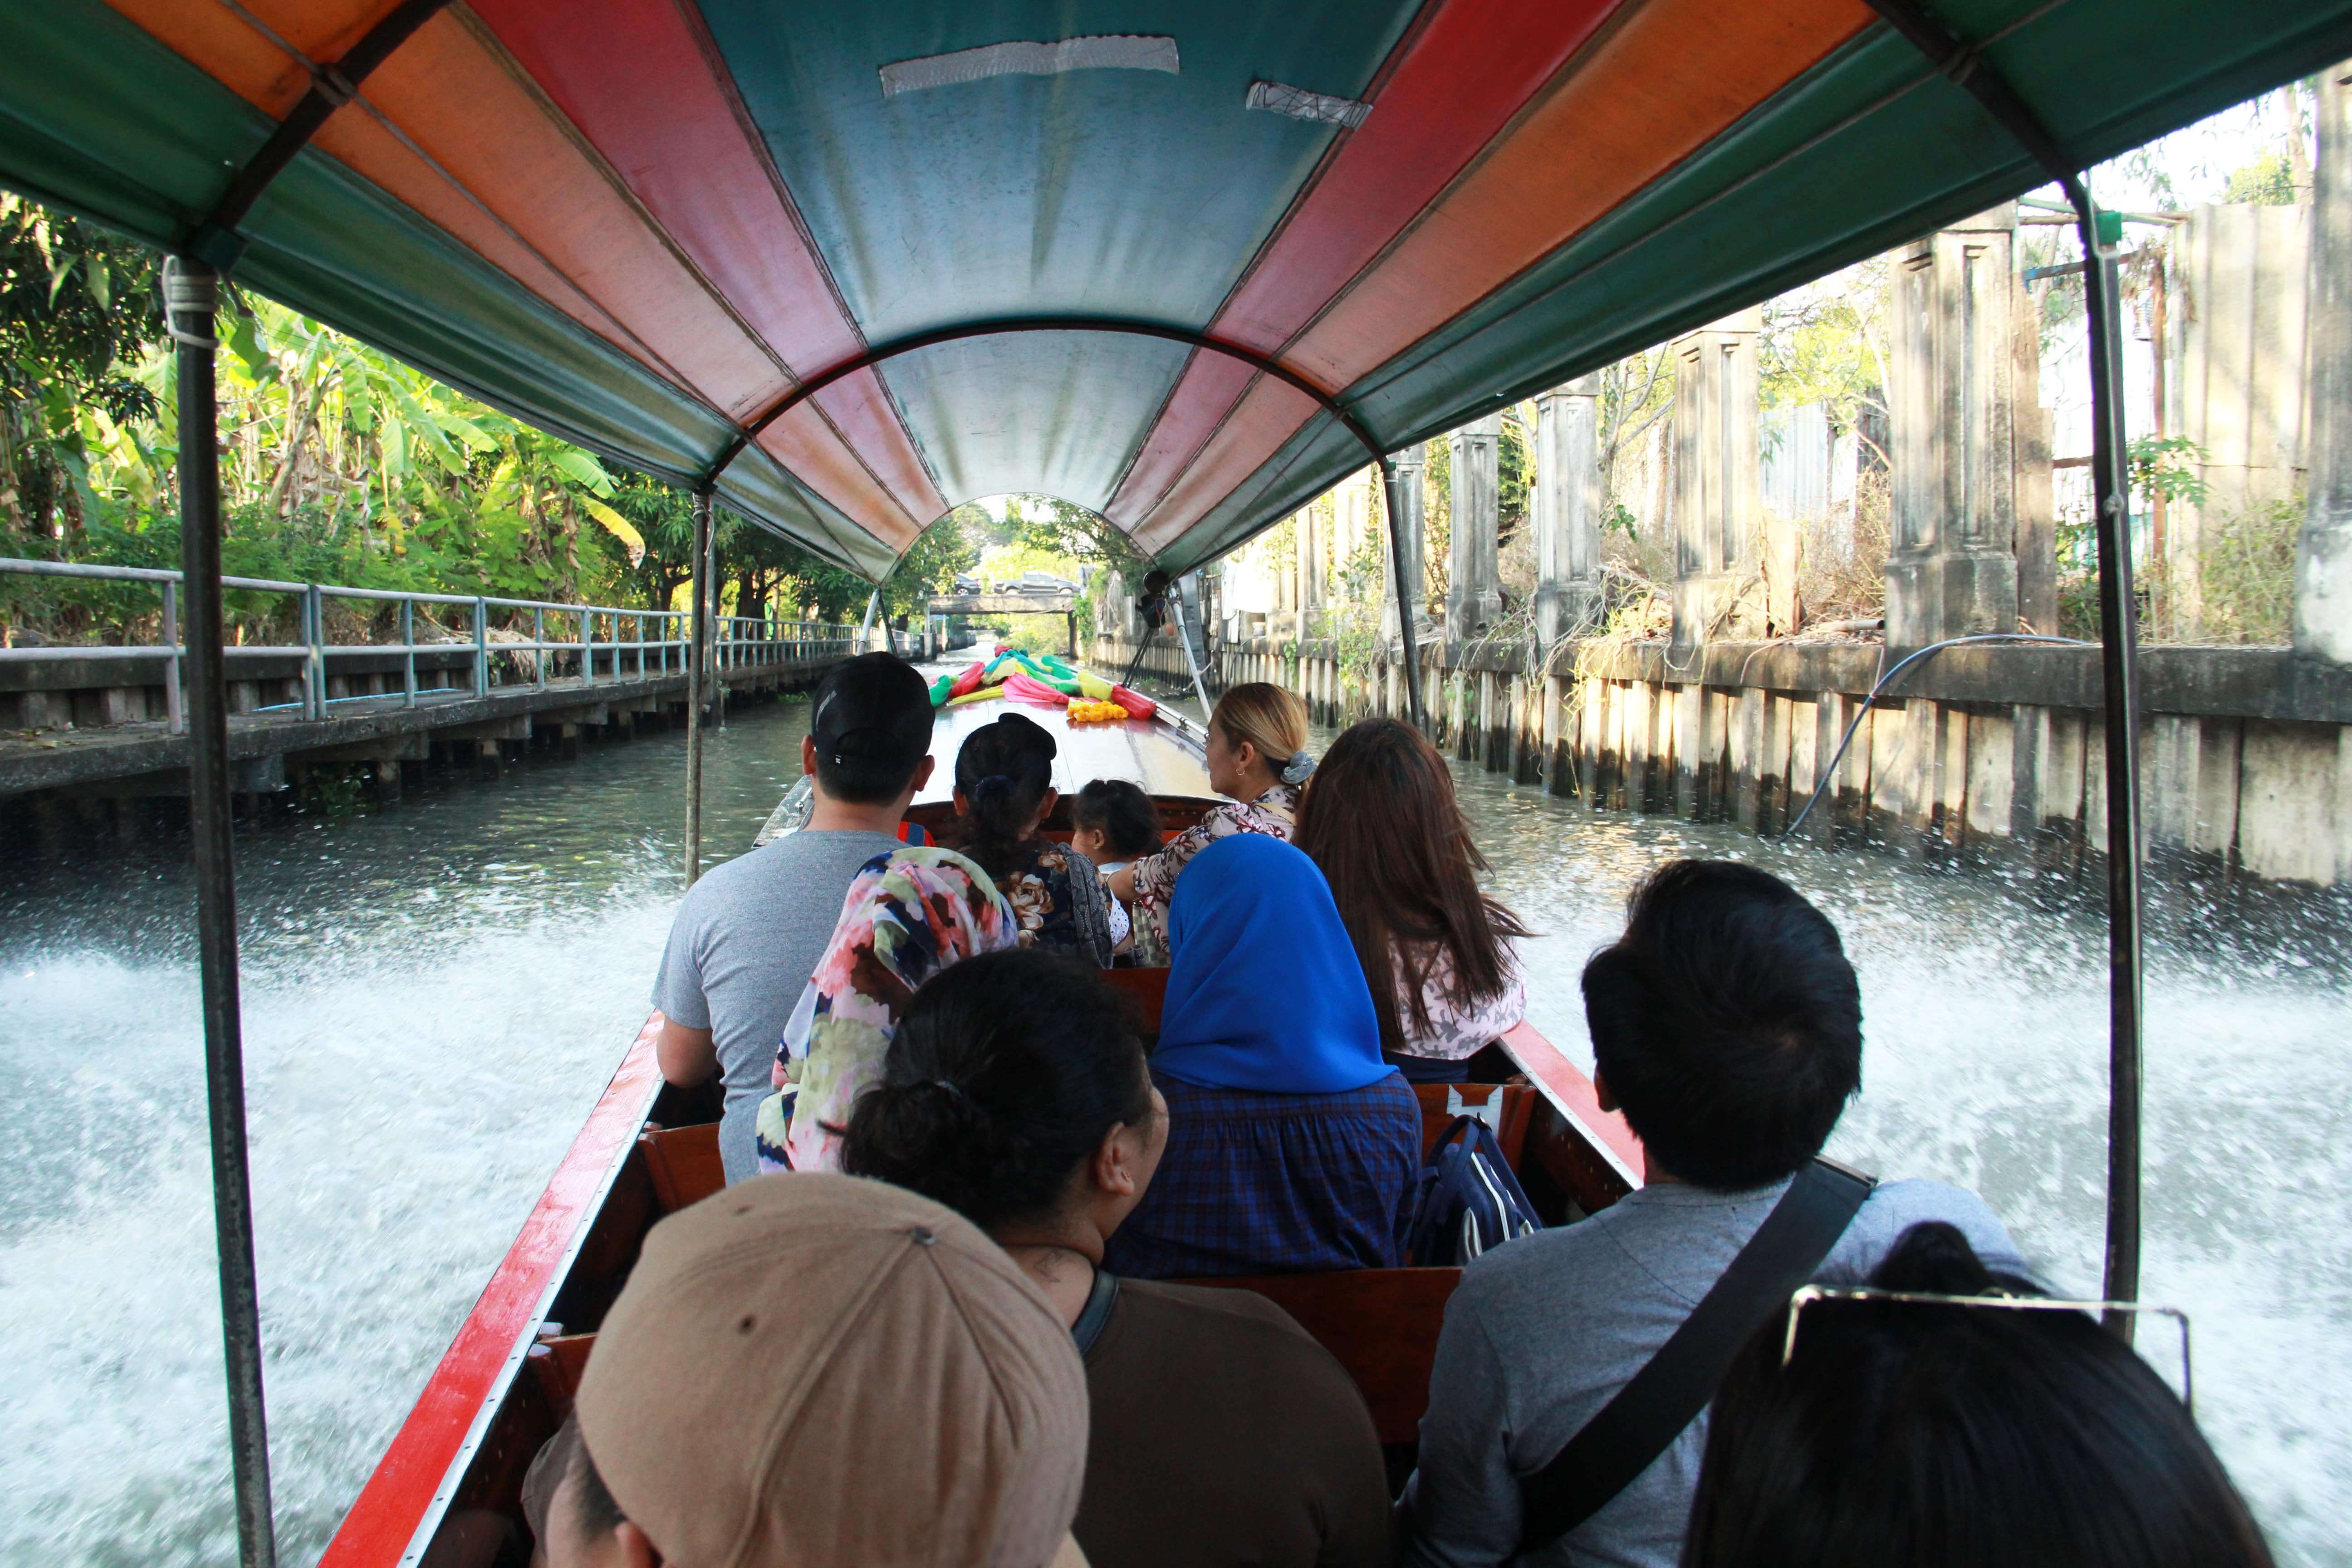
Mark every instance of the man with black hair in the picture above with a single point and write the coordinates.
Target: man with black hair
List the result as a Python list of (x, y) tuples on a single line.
[(1727, 1025), (750, 932)]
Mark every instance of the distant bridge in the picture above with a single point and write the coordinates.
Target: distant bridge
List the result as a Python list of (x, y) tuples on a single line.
[(1005, 605)]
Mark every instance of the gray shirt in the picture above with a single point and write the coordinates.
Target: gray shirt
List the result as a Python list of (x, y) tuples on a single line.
[(1544, 1332), (740, 951)]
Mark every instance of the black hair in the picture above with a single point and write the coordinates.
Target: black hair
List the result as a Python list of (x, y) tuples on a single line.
[(1002, 770), (1951, 1436), (1005, 1073), (1727, 1022), (1122, 813), (593, 1509), (871, 720)]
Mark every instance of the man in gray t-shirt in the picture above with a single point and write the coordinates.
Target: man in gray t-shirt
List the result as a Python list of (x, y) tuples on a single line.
[(750, 932), (1727, 1024)]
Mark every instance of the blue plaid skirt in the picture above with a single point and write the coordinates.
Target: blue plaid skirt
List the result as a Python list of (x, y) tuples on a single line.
[(1274, 1183)]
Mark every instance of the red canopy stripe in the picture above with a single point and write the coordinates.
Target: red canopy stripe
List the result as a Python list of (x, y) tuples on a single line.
[(642, 87), (1459, 84), (1671, 77)]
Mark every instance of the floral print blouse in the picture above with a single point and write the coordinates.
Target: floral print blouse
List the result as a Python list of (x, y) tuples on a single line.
[(909, 914), (1274, 813), (1454, 1030)]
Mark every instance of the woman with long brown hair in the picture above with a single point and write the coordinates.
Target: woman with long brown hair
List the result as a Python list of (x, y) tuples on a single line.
[(1382, 820), (1257, 757)]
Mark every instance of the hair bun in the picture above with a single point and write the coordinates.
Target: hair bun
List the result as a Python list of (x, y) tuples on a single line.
[(1298, 769)]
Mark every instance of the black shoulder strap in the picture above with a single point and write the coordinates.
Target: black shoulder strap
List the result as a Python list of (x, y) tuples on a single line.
[(1667, 1394), (1096, 1313)]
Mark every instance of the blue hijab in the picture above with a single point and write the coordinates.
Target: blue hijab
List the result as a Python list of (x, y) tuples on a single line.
[(1265, 992)]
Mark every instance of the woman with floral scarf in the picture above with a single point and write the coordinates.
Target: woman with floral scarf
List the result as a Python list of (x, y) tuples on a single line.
[(909, 914)]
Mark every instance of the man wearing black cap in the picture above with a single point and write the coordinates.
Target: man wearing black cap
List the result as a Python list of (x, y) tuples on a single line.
[(750, 932)]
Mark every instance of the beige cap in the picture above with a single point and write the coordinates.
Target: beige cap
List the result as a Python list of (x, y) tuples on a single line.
[(817, 1371)]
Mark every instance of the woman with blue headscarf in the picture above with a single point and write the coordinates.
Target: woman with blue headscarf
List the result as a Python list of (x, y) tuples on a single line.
[(1292, 1146)]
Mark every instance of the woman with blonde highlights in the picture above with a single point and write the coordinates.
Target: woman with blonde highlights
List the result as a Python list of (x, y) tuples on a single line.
[(1257, 757)]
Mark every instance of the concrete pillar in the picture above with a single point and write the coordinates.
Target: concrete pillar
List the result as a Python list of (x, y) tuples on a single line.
[(1718, 482), (2323, 565), (1566, 505), (1954, 397), (1413, 530), (1474, 603)]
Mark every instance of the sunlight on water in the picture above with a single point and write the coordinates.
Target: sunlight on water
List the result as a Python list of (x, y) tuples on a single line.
[(434, 996)]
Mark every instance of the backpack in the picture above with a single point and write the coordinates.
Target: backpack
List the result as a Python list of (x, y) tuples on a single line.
[(1466, 1200)]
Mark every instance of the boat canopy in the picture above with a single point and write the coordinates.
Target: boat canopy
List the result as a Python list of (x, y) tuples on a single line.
[(852, 264)]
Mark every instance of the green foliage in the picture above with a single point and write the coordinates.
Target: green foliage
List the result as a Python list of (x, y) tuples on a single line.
[(2268, 181), (2169, 466), (2249, 576)]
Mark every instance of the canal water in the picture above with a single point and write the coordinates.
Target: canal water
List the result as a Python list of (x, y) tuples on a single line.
[(435, 993)]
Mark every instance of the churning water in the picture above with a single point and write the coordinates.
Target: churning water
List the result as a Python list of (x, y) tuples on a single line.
[(434, 996)]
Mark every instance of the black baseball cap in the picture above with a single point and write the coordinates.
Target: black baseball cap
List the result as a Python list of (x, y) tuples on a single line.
[(873, 710)]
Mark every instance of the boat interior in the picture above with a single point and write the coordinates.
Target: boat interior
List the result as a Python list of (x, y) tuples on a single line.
[(1380, 1324)]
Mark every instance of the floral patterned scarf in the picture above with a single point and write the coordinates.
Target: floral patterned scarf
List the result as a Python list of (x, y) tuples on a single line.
[(909, 914)]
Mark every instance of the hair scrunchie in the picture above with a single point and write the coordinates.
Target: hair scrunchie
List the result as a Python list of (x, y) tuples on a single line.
[(1298, 769)]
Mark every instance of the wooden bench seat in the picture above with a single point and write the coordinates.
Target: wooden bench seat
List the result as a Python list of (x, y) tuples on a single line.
[(682, 1163), (1380, 1323)]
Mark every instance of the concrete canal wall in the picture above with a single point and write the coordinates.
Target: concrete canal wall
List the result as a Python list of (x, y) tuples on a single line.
[(1986, 753)]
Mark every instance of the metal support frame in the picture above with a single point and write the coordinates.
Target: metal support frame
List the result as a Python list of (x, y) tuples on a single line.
[(2118, 632), (191, 292), (865, 626), (1184, 636), (695, 675), (1389, 494)]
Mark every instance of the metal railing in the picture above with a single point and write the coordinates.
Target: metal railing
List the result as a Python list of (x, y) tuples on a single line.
[(609, 643)]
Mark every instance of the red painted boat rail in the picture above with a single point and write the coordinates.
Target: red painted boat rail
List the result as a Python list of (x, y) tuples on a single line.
[(396, 1514)]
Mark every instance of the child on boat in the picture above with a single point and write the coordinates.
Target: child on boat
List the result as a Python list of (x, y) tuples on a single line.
[(1381, 819), (1017, 1093), (1003, 793), (1292, 1146), (1257, 755), (1113, 822)]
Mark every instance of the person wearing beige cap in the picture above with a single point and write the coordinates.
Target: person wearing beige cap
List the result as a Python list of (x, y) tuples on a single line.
[(815, 1371)]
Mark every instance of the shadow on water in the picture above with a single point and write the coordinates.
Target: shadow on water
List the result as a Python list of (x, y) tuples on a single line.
[(435, 994)]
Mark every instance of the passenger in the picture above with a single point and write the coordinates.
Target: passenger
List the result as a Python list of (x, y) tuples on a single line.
[(1291, 1144), (1016, 1093), (1112, 822), (1381, 819), (749, 933), (1003, 793), (909, 914), (825, 1373), (1727, 1024), (1257, 756), (1956, 1436)]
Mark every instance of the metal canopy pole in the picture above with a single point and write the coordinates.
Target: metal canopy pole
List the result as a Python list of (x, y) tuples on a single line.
[(718, 638), (696, 638), (2118, 632), (865, 626), (2118, 656), (1389, 492), (1184, 636), (191, 291)]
